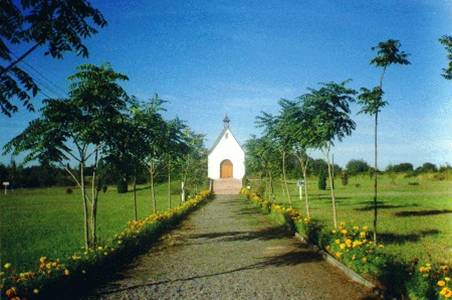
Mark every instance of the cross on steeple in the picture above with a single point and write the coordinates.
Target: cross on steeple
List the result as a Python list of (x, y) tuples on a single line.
[(226, 121)]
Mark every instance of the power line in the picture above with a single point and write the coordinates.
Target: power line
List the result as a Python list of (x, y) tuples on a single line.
[(45, 78)]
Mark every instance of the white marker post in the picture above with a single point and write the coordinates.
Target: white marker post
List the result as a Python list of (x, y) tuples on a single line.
[(6, 184), (182, 194), (300, 183)]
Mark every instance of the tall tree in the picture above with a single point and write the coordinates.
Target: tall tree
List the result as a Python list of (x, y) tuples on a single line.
[(77, 129), (371, 100), (302, 132), (59, 26), (175, 146), (330, 107), (275, 128), (193, 163), (263, 155), (446, 40), (152, 127)]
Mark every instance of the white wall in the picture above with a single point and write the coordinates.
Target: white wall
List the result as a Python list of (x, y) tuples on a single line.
[(227, 148)]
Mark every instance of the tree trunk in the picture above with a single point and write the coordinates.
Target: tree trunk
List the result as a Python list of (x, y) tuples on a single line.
[(375, 173), (333, 196), (135, 197), (271, 186), (304, 167), (85, 204), (153, 200), (375, 182), (94, 195), (169, 186), (285, 178)]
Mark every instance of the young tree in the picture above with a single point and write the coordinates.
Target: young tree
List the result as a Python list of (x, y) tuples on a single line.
[(446, 40), (152, 127), (371, 100), (263, 155), (303, 135), (330, 108), (276, 129), (59, 26), (193, 163), (77, 129), (174, 147)]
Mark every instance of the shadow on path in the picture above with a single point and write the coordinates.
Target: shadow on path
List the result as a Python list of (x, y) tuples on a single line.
[(290, 258)]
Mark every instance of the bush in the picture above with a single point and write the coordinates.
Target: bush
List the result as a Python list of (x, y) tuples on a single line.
[(357, 185), (344, 178), (322, 180), (413, 183), (122, 186), (69, 191), (104, 189), (357, 166), (402, 167)]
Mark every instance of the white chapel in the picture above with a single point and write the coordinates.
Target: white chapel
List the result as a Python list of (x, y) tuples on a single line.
[(226, 161)]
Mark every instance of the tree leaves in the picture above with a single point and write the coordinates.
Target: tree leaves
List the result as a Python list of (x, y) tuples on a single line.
[(446, 40), (371, 101), (59, 25), (388, 53)]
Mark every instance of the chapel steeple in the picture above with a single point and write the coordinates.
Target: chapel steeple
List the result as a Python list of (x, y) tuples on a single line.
[(226, 121)]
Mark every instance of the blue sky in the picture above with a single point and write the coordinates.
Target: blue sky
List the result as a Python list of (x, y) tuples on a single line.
[(209, 58)]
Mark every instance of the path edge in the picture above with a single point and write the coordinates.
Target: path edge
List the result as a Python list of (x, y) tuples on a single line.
[(334, 262)]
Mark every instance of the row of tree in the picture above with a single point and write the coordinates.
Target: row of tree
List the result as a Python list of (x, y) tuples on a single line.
[(103, 130), (315, 121)]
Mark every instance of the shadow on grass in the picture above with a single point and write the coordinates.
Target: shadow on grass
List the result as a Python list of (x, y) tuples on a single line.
[(396, 238), (421, 213), (328, 197), (381, 205), (291, 258)]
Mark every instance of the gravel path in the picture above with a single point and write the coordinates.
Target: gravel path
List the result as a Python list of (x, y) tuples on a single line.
[(228, 250)]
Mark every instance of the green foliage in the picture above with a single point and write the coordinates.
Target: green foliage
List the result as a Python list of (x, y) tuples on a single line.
[(388, 53), (446, 40), (371, 101), (330, 109), (122, 186), (59, 26), (402, 167), (321, 183), (357, 166), (426, 167)]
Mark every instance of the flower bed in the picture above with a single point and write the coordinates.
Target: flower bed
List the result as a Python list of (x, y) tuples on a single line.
[(56, 279), (353, 246)]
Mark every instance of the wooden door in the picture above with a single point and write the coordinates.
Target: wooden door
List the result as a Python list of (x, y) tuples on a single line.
[(226, 169)]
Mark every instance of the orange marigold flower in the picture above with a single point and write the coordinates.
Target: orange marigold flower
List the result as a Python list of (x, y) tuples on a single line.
[(11, 292), (441, 283)]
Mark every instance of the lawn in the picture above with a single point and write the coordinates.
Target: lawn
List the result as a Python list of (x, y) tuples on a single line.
[(415, 214), (49, 222)]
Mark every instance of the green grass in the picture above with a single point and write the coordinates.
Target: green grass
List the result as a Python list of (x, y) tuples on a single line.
[(414, 220), (49, 222)]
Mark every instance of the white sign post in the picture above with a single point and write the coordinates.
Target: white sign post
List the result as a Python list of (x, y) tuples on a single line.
[(300, 183), (6, 184), (182, 194)]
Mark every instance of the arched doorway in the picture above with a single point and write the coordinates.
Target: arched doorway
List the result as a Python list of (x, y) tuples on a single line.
[(226, 169)]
